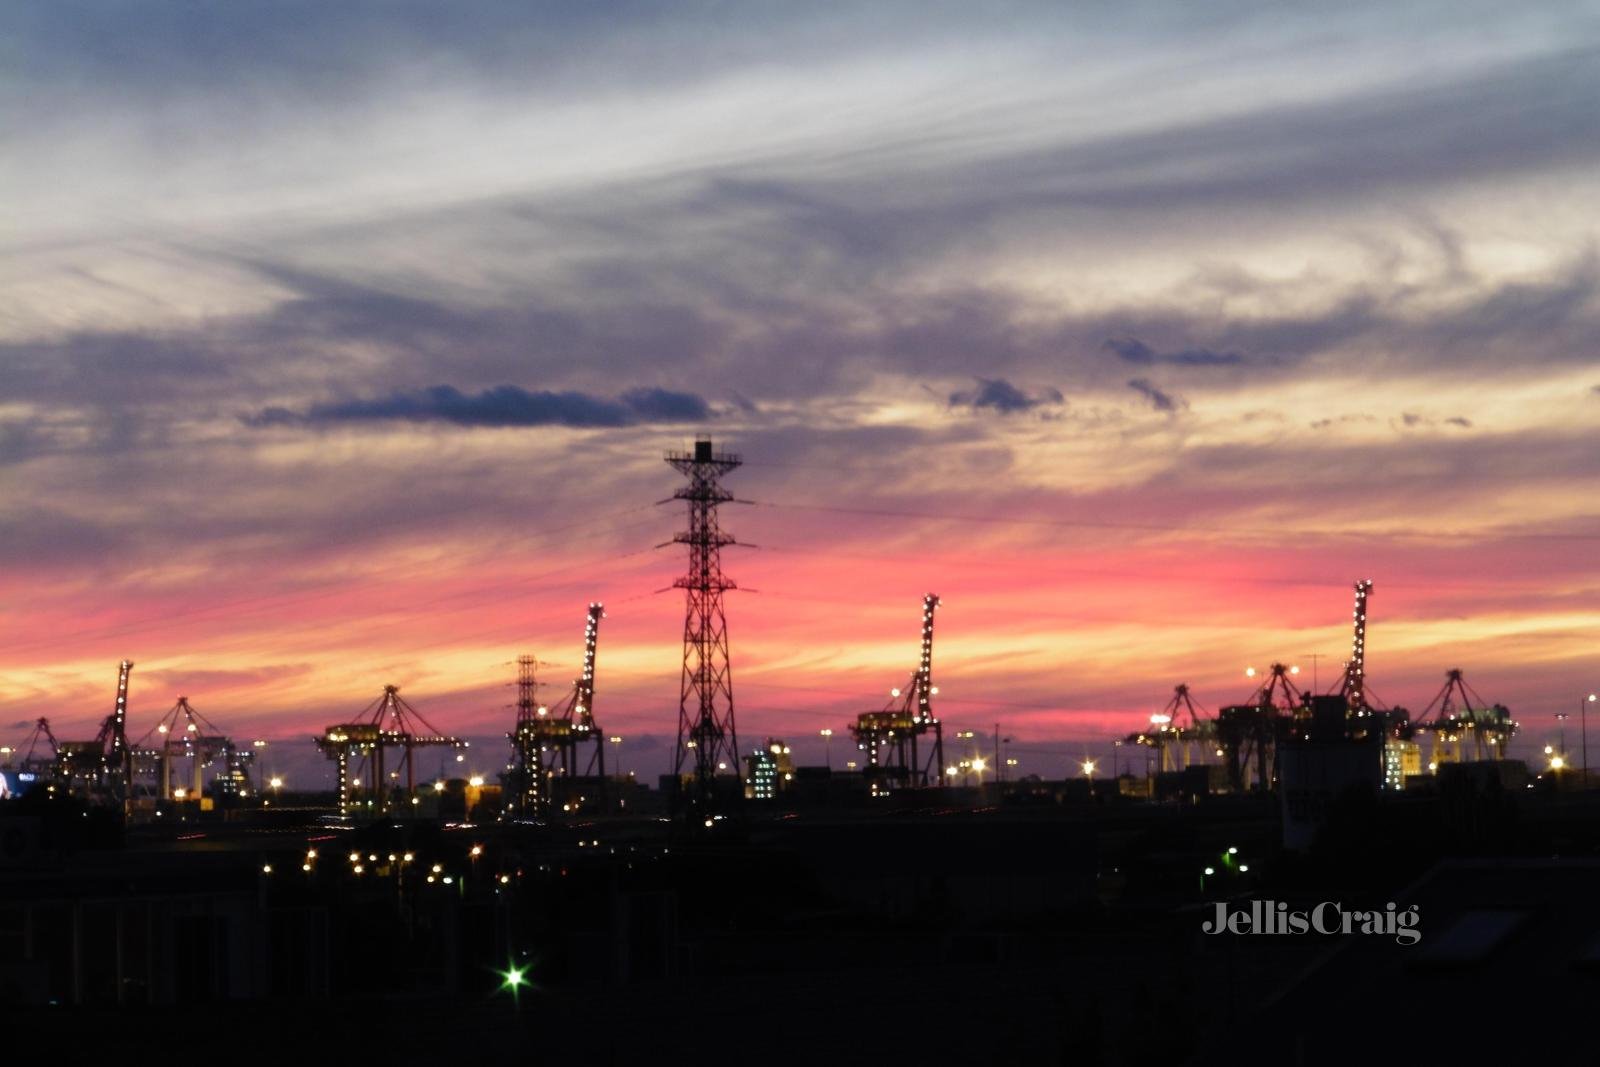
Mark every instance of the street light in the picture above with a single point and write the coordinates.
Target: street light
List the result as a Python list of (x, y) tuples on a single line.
[(827, 737), (1583, 720), (616, 739), (514, 979)]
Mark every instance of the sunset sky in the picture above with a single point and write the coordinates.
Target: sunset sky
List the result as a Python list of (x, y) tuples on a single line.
[(341, 344)]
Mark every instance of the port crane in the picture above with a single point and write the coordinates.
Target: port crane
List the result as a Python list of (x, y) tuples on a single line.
[(183, 733), (1463, 725), (547, 742), (890, 737), (367, 785), (101, 770), (1171, 736)]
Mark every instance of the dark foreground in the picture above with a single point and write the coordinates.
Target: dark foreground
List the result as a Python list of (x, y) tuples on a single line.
[(1001, 935)]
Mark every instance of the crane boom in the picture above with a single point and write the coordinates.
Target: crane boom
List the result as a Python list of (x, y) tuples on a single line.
[(1354, 686), (583, 704)]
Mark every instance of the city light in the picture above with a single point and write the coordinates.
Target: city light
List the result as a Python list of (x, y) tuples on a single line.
[(513, 979)]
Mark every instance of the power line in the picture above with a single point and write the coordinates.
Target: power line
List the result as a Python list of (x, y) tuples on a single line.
[(1255, 532), (142, 625)]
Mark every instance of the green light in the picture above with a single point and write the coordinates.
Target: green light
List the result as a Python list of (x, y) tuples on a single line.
[(515, 978)]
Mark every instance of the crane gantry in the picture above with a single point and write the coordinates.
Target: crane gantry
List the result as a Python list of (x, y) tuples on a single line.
[(183, 733), (1171, 737), (360, 748), (1464, 725)]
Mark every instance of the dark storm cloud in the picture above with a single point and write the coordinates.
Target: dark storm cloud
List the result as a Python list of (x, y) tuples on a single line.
[(1159, 400), (999, 395), (1132, 350), (504, 405)]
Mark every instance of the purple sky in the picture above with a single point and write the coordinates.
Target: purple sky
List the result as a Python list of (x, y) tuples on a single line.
[(341, 343)]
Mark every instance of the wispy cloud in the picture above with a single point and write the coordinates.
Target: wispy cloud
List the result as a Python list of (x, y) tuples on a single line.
[(1132, 350), (997, 394), (1159, 399)]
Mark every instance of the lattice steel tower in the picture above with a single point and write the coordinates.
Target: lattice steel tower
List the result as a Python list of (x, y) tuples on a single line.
[(705, 701), (527, 786)]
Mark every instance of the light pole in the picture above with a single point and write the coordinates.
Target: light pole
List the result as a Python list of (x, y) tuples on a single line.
[(827, 737), (1088, 772), (617, 759), (1583, 723), (255, 757)]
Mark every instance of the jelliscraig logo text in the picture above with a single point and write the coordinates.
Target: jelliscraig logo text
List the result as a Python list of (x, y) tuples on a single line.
[(1329, 917)]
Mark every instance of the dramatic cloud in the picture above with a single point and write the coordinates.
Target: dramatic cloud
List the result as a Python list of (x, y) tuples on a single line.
[(997, 394), (1272, 288), (1159, 400), (504, 405), (1131, 350)]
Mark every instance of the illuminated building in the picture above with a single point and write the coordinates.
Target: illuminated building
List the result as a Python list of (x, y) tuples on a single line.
[(768, 771)]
